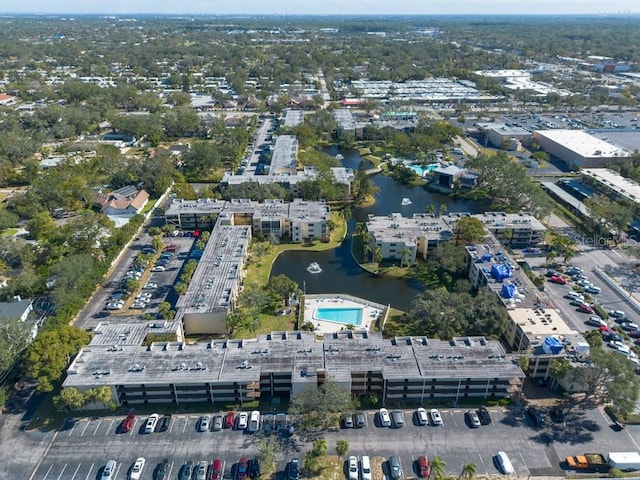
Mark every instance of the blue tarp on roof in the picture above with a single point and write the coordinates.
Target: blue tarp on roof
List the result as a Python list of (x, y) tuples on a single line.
[(486, 257), (500, 272), (552, 345), (508, 290)]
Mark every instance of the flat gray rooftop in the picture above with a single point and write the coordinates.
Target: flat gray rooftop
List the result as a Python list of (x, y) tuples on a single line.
[(284, 158), (298, 353)]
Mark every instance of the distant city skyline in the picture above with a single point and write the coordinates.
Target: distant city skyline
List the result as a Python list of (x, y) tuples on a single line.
[(322, 7)]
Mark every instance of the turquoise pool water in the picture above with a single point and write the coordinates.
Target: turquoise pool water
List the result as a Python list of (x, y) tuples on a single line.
[(346, 316), (422, 171)]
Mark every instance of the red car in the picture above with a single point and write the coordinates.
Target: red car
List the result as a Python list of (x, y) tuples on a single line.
[(584, 308), (229, 420), (558, 279), (127, 423), (423, 467), (242, 469), (216, 470)]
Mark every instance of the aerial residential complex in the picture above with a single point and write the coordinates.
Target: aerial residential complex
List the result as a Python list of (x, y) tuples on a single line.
[(405, 238), (280, 364)]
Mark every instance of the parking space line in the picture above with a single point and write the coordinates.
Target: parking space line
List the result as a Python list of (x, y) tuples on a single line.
[(85, 428), (170, 469), (89, 472), (117, 470), (47, 474), (97, 427), (62, 472), (73, 427), (135, 422), (76, 472), (108, 431), (184, 429)]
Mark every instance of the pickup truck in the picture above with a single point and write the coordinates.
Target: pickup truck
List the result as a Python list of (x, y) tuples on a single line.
[(588, 461)]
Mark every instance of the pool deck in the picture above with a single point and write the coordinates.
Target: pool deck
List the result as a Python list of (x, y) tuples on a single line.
[(370, 312)]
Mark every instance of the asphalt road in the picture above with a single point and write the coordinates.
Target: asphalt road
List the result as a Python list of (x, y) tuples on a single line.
[(80, 449)]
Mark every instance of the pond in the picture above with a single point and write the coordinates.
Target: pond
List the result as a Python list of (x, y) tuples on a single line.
[(340, 272)]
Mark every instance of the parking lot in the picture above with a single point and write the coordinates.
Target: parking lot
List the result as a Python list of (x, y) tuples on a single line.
[(80, 449)]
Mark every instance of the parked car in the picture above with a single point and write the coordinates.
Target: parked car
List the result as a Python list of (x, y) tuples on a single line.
[(360, 420), (159, 268), (151, 424), (584, 283), (229, 420), (630, 326), (436, 418), (593, 290), (136, 470), (201, 470), (254, 422), (243, 420), (216, 470), (254, 468), (617, 313), (187, 471), (165, 423), (504, 464), (203, 424), (242, 468), (584, 308), (352, 467), (109, 471), (472, 419), (347, 421), (127, 423), (397, 418), (596, 321), (423, 467), (484, 415), (365, 468), (162, 470), (385, 419), (394, 467), (294, 469), (536, 418), (422, 417), (217, 422), (557, 279)]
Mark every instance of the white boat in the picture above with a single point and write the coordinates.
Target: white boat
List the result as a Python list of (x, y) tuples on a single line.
[(339, 156), (314, 267), (406, 201)]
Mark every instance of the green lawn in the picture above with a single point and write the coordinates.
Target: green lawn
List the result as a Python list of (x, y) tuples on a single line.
[(9, 232), (259, 269)]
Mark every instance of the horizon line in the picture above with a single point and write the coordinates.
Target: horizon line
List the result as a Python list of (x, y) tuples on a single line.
[(478, 14)]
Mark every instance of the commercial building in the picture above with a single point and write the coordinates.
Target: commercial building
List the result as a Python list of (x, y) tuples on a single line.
[(280, 364), (578, 149), (499, 134), (612, 184)]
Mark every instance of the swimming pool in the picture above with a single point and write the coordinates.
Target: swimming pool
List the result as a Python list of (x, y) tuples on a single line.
[(420, 170), (346, 316)]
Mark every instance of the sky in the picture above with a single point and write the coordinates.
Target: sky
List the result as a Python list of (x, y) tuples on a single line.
[(321, 7)]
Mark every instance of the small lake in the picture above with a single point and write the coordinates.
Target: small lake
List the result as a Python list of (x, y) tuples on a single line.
[(340, 272)]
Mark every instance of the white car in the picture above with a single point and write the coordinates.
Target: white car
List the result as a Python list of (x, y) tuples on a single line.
[(504, 463), (436, 418), (616, 313), (136, 470), (243, 420), (353, 468), (385, 418), (254, 422), (204, 423), (151, 424), (423, 418), (158, 268), (109, 471), (365, 464), (620, 347), (150, 286)]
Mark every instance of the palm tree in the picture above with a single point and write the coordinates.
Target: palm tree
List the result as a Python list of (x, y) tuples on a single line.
[(377, 254), (406, 253), (431, 209), (361, 228), (468, 472), (437, 468), (366, 251), (443, 209)]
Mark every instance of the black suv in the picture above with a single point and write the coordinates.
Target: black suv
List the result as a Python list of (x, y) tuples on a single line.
[(165, 423), (254, 468), (294, 471), (535, 416), (484, 416)]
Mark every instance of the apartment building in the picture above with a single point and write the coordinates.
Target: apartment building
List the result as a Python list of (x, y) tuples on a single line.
[(280, 364)]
